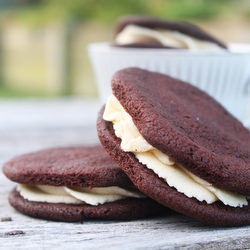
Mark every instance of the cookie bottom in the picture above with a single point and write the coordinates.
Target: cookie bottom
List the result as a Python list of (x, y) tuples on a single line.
[(127, 209), (215, 214), (144, 45)]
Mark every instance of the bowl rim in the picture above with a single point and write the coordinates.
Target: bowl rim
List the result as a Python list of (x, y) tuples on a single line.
[(235, 49)]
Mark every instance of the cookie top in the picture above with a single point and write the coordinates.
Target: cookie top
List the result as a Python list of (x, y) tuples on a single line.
[(155, 23), (216, 214), (69, 166), (188, 125)]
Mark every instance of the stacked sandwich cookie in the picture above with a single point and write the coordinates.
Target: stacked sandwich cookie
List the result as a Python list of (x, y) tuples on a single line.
[(173, 146), (178, 146), (73, 184), (149, 32)]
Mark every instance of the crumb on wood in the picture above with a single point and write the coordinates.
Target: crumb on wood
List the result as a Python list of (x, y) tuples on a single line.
[(15, 232), (4, 219)]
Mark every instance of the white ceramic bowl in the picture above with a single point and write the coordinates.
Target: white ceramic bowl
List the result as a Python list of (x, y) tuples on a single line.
[(225, 75)]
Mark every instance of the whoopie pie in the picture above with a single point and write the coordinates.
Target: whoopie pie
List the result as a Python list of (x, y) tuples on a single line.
[(150, 32), (73, 184), (178, 146)]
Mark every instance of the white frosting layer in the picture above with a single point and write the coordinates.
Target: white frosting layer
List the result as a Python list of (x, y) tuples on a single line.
[(94, 196), (174, 174), (133, 33)]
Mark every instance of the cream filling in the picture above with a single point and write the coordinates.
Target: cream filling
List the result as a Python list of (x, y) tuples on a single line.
[(133, 33), (173, 173), (94, 196)]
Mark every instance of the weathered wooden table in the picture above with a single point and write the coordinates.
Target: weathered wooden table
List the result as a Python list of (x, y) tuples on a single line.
[(32, 125)]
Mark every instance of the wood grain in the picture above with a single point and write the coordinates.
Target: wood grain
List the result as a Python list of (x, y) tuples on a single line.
[(54, 129)]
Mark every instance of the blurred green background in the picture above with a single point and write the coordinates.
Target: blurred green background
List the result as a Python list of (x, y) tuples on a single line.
[(43, 44)]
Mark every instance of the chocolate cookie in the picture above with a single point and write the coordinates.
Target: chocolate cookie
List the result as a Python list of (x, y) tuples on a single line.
[(72, 166), (127, 209), (159, 24), (73, 184), (195, 132)]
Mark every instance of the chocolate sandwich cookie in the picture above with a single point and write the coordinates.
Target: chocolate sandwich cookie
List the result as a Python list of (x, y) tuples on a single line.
[(73, 184), (149, 32), (178, 146)]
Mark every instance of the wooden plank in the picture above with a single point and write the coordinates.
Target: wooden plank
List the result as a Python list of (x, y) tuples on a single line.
[(173, 231)]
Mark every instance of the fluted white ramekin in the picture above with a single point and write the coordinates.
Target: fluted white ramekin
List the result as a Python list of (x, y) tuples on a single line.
[(225, 75)]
